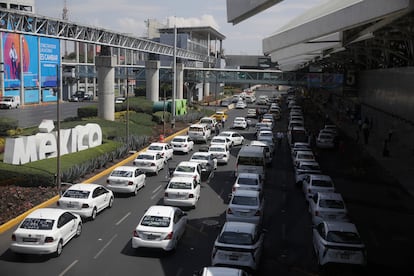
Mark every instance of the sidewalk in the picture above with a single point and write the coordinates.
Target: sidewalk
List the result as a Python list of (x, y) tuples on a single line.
[(400, 163)]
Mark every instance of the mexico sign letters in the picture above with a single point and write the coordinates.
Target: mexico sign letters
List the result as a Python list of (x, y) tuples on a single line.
[(43, 145)]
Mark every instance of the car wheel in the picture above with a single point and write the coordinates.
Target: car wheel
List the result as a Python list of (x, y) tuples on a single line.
[(135, 191), (111, 202), (59, 248), (79, 230), (94, 212)]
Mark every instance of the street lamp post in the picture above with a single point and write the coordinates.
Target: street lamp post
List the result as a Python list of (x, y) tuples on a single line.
[(58, 170), (127, 109)]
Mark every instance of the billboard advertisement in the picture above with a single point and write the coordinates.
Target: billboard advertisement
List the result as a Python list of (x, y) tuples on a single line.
[(12, 62), (48, 95), (49, 55), (31, 96), (30, 61)]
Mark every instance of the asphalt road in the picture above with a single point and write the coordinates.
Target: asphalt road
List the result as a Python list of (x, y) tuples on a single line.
[(104, 247)]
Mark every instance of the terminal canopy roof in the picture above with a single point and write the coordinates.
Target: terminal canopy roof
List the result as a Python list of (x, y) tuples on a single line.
[(329, 28)]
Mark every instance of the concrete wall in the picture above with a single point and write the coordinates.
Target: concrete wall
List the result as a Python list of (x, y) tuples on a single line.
[(387, 98)]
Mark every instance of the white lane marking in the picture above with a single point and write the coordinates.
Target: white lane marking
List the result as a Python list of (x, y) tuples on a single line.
[(105, 246), (156, 191), (122, 219), (68, 268)]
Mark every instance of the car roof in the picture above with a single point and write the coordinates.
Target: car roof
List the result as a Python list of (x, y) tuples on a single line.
[(188, 163), (84, 186), (200, 153), (320, 177), (308, 163), (248, 175), (221, 271), (148, 152), (218, 146), (341, 226), (258, 143), (125, 168), (49, 213), (332, 196), (181, 136), (182, 179), (236, 226), (160, 210), (158, 144), (246, 193)]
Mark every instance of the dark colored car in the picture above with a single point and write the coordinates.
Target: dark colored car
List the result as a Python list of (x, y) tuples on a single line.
[(80, 96)]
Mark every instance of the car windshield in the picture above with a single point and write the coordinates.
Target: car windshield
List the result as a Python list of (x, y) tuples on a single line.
[(205, 121), (156, 221), (247, 181), (120, 173), (225, 134), (155, 147), (245, 200), (185, 169), (76, 194), (37, 224), (217, 149), (236, 238), (322, 183), (309, 167), (145, 157), (218, 140), (343, 237), (331, 203), (180, 185)]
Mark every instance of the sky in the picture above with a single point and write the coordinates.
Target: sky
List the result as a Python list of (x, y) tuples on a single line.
[(129, 16)]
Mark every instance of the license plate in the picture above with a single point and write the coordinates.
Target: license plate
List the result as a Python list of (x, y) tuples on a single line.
[(344, 256), (233, 257), (151, 237), (30, 239)]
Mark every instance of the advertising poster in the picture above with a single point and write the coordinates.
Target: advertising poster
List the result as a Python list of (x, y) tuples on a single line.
[(30, 61), (12, 62), (49, 55), (48, 95), (31, 96)]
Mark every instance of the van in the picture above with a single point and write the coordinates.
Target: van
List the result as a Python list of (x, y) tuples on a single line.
[(251, 159), (267, 148), (199, 132)]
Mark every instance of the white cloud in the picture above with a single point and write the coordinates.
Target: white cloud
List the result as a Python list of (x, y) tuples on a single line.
[(204, 20)]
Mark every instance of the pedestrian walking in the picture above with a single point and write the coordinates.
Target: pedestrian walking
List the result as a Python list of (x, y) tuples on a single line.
[(223, 120)]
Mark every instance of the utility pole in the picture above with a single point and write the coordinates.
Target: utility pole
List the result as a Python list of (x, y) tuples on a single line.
[(65, 17), (174, 88)]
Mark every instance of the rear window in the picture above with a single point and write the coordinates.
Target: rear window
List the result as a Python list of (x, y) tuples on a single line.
[(145, 157), (155, 147), (185, 169), (247, 181), (120, 173), (250, 161), (37, 224), (343, 237), (245, 200), (331, 203), (322, 183), (180, 185), (196, 129), (76, 194), (155, 221), (236, 238)]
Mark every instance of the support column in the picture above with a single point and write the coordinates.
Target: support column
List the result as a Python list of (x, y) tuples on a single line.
[(206, 89), (180, 81), (152, 75), (105, 66)]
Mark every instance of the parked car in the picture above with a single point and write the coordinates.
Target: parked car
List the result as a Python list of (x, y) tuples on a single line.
[(303, 155), (238, 244), (160, 227), (220, 152), (182, 191), (338, 242), (248, 181), (313, 183), (326, 207), (86, 200), (325, 140), (126, 179), (304, 168), (149, 162), (182, 143), (190, 169), (245, 206), (165, 149), (46, 231), (235, 137)]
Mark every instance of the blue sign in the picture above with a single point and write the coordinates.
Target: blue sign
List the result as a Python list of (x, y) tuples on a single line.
[(49, 55), (31, 96), (48, 95), (30, 61)]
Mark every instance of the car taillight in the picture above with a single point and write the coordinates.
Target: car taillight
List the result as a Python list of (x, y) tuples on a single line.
[(229, 211), (49, 239), (257, 213), (162, 154), (169, 236), (13, 237), (233, 189), (190, 196), (165, 194), (309, 191), (152, 164), (58, 203), (195, 176), (135, 233), (316, 213), (185, 145), (130, 183), (85, 205), (107, 181)]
